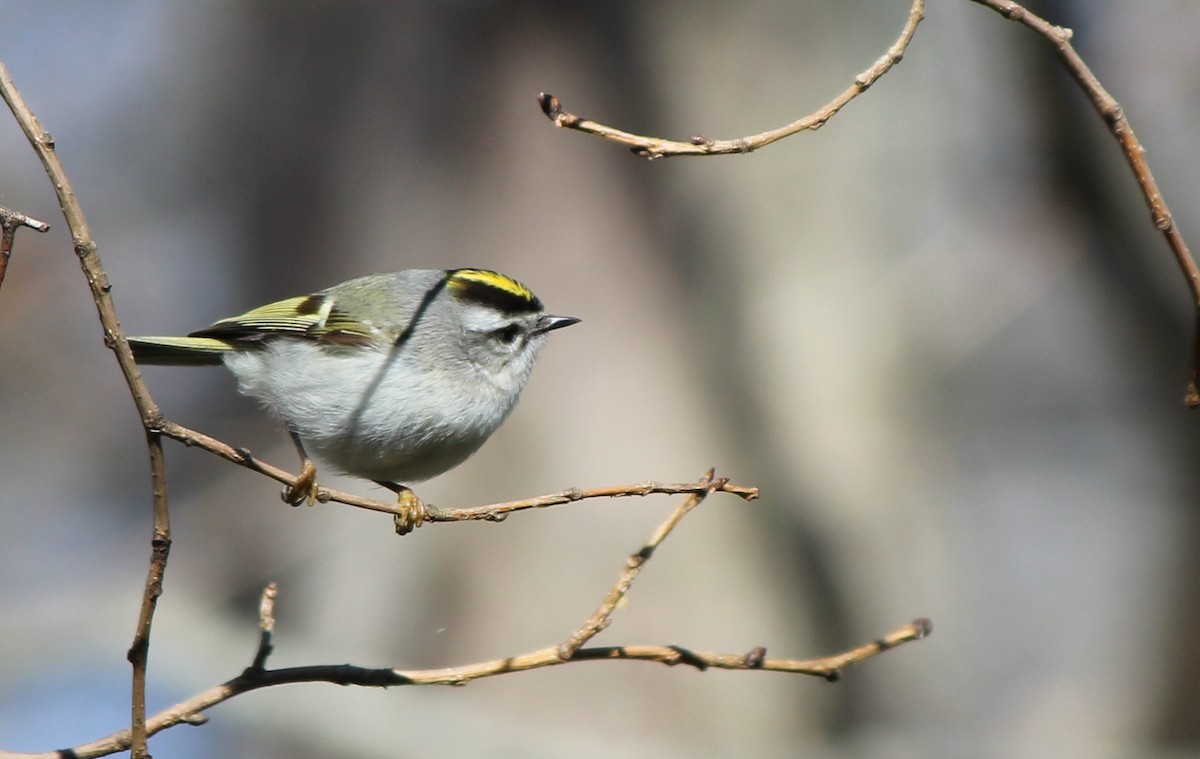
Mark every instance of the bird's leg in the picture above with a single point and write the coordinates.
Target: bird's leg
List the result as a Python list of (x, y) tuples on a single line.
[(412, 509), (305, 488)]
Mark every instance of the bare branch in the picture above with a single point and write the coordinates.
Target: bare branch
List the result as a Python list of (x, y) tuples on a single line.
[(1135, 155), (192, 711), (14, 219), (657, 147), (495, 512), (257, 676), (89, 260), (266, 626), (10, 221), (602, 617)]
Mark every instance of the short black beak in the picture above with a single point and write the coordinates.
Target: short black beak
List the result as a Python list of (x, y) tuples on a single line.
[(548, 323)]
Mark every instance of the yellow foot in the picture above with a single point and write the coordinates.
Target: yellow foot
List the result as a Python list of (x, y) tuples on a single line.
[(412, 511), (304, 490)]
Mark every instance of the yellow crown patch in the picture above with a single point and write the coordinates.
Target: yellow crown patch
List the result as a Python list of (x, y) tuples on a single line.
[(492, 289), (461, 277)]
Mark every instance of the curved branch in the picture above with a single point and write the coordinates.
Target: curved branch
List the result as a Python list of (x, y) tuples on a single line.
[(657, 147), (89, 260), (1135, 155)]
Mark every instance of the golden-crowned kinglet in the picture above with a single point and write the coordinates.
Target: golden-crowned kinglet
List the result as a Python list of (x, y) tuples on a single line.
[(391, 377)]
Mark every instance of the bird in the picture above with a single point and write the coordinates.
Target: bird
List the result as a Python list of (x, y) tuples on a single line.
[(393, 378)]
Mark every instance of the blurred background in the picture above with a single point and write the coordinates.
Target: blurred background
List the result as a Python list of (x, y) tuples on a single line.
[(941, 334)]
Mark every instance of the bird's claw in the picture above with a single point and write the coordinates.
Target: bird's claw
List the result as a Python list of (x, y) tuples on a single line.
[(412, 512), (304, 489)]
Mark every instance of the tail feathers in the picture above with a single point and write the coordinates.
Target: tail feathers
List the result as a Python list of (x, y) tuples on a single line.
[(179, 351)]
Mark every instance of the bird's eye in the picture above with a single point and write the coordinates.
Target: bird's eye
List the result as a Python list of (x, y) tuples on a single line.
[(508, 335)]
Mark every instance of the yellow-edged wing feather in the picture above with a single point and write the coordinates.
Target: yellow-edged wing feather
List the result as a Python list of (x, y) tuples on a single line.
[(314, 317)]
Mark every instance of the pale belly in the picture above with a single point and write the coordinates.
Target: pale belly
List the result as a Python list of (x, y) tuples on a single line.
[(366, 414)]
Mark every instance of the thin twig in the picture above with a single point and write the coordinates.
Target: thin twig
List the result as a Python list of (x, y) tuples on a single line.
[(657, 147), (89, 261), (266, 626), (10, 221), (495, 512), (1135, 155), (602, 617), (14, 219)]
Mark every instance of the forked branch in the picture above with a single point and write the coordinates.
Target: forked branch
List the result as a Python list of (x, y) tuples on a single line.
[(89, 260), (256, 676)]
